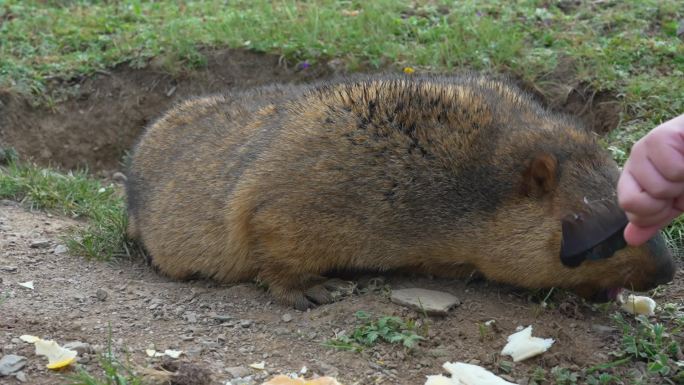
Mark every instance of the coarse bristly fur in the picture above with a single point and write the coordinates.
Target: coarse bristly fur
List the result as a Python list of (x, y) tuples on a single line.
[(436, 174)]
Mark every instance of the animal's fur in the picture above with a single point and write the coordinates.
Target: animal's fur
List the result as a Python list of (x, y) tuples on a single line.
[(442, 175)]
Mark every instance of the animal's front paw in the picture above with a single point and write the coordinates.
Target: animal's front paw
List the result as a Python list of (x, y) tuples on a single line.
[(317, 294)]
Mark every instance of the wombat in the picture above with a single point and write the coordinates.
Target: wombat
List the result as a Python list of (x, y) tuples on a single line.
[(443, 175)]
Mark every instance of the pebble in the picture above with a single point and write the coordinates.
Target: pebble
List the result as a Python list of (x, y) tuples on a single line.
[(328, 369), (246, 323), (238, 371), (430, 301), (438, 352), (287, 317), (11, 363), (191, 317), (20, 376), (249, 380), (80, 347), (60, 249), (101, 294), (603, 329), (223, 317), (40, 244)]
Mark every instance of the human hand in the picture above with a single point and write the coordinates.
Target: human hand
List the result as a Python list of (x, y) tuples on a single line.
[(651, 187)]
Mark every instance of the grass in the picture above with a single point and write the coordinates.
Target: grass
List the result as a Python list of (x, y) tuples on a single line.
[(629, 49), (655, 344), (74, 194), (114, 371), (392, 330)]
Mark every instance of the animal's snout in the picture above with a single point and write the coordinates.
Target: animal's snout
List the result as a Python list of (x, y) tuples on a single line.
[(665, 265)]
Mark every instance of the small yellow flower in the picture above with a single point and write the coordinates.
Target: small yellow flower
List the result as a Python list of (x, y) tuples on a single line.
[(409, 70)]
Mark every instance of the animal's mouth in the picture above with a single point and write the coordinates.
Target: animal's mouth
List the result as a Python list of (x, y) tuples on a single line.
[(607, 295)]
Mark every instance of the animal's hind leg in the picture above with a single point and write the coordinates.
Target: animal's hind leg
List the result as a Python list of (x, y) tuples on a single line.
[(175, 268), (298, 288)]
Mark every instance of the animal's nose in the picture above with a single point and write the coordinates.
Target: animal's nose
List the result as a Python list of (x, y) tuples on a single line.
[(665, 265), (665, 272)]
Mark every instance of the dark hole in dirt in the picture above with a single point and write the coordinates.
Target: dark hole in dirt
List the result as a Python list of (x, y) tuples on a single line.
[(97, 126)]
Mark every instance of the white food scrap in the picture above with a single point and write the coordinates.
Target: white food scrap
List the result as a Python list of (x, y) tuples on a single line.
[(637, 304), (466, 374), (522, 345), (168, 352)]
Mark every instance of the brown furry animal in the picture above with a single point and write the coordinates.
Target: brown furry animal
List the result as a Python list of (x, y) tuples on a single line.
[(441, 175)]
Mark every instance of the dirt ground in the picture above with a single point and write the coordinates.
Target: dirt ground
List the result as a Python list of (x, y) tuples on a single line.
[(222, 329)]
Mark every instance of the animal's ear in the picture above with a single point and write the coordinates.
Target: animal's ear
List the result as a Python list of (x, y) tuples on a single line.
[(540, 176)]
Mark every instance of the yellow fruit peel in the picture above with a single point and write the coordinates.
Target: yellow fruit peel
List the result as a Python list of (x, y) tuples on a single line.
[(58, 357)]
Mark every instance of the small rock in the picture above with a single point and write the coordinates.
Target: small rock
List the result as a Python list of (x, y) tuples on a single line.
[(327, 369), (507, 377), (603, 329), (119, 177), (11, 363), (680, 28), (60, 249), (191, 317), (287, 317), (80, 347), (20, 376), (8, 269), (246, 323), (83, 359), (238, 371), (223, 317), (431, 301), (438, 352), (101, 294), (249, 380), (40, 244)]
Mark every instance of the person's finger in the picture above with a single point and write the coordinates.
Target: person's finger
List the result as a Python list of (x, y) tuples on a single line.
[(636, 236), (665, 150), (649, 178), (634, 199), (661, 218)]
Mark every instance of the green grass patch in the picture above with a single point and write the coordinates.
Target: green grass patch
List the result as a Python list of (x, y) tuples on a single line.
[(392, 330), (77, 195)]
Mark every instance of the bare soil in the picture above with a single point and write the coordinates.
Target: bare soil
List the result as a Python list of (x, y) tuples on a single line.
[(225, 326)]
